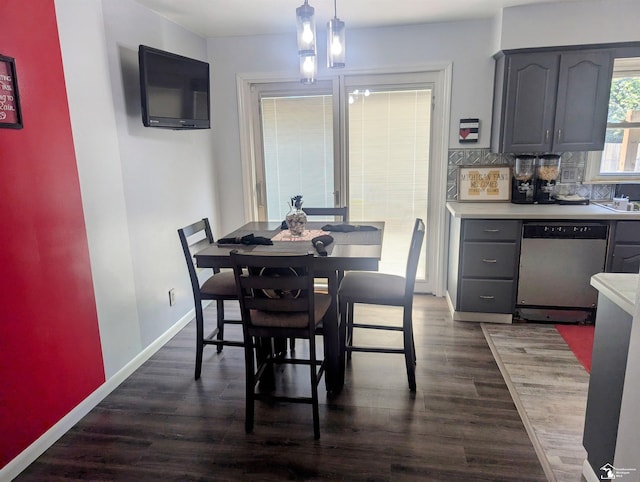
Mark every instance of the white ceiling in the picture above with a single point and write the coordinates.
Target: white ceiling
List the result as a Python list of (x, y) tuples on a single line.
[(221, 18)]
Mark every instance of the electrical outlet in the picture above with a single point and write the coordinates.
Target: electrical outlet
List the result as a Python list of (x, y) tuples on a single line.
[(172, 297)]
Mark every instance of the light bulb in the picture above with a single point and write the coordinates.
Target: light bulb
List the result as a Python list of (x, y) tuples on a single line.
[(307, 33), (307, 65), (336, 46)]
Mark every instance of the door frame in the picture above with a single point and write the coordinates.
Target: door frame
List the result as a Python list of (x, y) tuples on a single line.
[(436, 233)]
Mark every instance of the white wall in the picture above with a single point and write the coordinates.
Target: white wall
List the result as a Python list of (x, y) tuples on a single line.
[(570, 23), (467, 45), (138, 184)]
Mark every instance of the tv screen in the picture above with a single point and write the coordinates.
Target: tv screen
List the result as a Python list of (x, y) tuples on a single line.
[(174, 90)]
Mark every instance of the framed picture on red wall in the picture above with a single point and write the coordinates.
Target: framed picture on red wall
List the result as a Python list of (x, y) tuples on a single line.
[(9, 99)]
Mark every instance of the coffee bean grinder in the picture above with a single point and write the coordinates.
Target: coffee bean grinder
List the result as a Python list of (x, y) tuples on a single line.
[(547, 173), (523, 183)]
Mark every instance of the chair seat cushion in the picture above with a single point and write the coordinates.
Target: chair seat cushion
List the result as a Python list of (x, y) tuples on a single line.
[(221, 284), (374, 288), (292, 320)]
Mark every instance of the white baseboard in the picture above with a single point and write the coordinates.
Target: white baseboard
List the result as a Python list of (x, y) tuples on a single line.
[(47, 439), (588, 473)]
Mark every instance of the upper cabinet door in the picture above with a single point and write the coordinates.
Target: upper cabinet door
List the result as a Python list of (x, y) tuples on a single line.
[(584, 83), (551, 101), (530, 102)]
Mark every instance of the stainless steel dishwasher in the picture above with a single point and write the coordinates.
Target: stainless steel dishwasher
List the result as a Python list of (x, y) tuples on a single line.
[(557, 260)]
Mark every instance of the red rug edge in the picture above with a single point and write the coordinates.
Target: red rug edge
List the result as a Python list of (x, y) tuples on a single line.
[(579, 338)]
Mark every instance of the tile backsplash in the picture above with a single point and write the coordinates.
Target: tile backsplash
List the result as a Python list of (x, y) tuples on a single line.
[(572, 165)]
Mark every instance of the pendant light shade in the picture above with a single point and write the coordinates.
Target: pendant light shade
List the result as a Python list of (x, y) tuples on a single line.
[(306, 29), (335, 43)]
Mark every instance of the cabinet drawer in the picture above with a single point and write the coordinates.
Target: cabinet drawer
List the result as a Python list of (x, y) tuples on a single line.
[(628, 232), (487, 296), (491, 230), (488, 260)]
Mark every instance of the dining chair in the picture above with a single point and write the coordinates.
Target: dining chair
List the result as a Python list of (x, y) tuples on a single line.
[(219, 287), (374, 288), (339, 212), (277, 301)]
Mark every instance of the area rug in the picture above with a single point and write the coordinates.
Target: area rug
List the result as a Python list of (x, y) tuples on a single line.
[(549, 388), (580, 340)]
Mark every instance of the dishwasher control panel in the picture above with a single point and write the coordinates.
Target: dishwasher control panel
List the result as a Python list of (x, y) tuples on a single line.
[(565, 230)]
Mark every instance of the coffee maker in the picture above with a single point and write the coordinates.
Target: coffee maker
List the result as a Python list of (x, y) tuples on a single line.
[(523, 182), (547, 173)]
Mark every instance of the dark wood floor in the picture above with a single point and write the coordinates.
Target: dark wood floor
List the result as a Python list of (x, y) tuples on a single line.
[(161, 424)]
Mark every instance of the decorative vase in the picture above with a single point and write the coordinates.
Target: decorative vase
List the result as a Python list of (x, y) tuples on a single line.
[(296, 218)]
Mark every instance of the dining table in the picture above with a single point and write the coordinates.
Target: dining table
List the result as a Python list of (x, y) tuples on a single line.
[(354, 247)]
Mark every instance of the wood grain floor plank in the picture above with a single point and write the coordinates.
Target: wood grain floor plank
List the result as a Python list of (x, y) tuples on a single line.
[(550, 388), (161, 424)]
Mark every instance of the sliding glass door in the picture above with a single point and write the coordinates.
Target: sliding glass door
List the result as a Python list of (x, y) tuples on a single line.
[(388, 161), (365, 141)]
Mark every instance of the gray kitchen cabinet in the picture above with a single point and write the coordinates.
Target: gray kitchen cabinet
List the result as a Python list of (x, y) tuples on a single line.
[(551, 101), (483, 263), (625, 248)]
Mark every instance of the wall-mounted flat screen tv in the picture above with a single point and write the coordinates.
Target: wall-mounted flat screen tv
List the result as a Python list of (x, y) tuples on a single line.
[(174, 90)]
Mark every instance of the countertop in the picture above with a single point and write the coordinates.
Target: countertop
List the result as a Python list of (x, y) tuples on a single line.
[(620, 288), (507, 210)]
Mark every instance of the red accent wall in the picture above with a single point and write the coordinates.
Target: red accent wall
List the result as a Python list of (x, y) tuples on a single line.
[(50, 354)]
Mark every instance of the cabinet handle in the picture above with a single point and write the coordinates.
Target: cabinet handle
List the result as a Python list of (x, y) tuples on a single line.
[(491, 230), (489, 260), (487, 297), (559, 134), (546, 136)]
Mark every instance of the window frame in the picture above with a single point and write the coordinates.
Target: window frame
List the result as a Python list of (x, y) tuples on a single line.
[(593, 175)]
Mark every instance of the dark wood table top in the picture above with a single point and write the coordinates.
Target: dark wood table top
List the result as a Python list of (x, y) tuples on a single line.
[(356, 250)]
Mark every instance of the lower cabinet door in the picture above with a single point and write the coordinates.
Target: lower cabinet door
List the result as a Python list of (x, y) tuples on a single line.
[(626, 259), (487, 296)]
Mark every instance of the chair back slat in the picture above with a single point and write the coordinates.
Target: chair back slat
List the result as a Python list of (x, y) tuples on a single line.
[(339, 212), (277, 282), (414, 255), (194, 238), (277, 305)]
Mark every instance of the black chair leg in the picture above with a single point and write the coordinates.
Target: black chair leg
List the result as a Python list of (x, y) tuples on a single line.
[(409, 350), (349, 315), (199, 339), (250, 383), (314, 390), (220, 319)]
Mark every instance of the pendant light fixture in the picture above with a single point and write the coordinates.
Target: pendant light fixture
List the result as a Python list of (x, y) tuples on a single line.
[(306, 30), (335, 40)]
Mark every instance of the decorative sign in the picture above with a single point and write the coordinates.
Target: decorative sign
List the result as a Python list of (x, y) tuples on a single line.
[(484, 183), (469, 129), (9, 100)]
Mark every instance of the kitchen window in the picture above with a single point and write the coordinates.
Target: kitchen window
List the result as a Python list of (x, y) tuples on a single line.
[(619, 162)]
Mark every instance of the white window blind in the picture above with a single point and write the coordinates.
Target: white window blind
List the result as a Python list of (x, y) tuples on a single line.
[(298, 151), (389, 148)]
